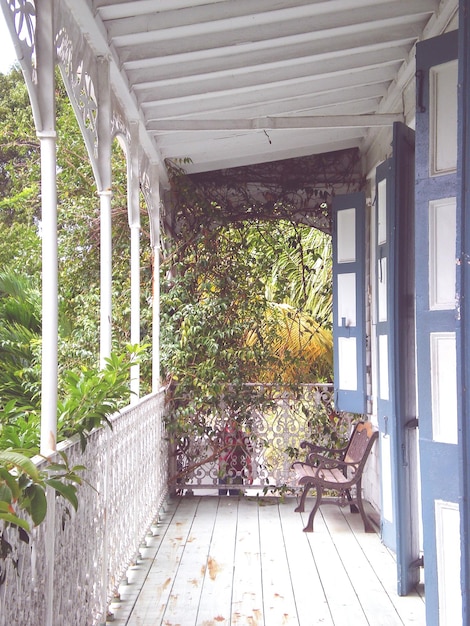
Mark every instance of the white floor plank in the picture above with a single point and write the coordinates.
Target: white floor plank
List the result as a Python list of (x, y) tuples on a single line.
[(186, 589), (244, 562), (156, 594), (340, 593), (278, 595), (372, 596), (247, 599), (311, 602), (410, 608), (216, 597)]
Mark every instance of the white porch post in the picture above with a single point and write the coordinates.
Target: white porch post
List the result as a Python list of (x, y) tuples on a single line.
[(49, 293), (133, 201), (105, 276), (135, 306), (45, 125), (105, 194), (44, 116), (155, 232)]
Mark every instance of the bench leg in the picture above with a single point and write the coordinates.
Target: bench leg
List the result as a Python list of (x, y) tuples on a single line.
[(353, 508), (309, 527), (301, 507), (368, 528)]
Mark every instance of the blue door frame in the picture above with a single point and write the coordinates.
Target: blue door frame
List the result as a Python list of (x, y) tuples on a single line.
[(395, 327), (438, 327), (463, 243)]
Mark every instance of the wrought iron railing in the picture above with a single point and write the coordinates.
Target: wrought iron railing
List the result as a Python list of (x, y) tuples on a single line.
[(258, 453), (128, 469), (93, 547)]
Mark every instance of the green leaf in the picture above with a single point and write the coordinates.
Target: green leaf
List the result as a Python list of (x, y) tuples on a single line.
[(14, 519), (8, 457), (38, 504), (11, 482), (5, 494), (67, 491)]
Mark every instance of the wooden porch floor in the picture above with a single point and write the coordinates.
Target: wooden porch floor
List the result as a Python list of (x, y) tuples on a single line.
[(239, 561)]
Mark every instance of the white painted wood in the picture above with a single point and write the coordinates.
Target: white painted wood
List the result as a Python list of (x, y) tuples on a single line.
[(443, 118), (448, 563), (444, 386), (410, 609), (194, 564), (335, 576), (247, 594), (382, 289), (347, 350), (442, 253), (216, 595), (365, 581), (278, 593), (384, 387), (242, 60), (346, 285), (338, 588), (156, 594), (45, 123), (346, 236), (106, 265), (48, 436), (386, 478), (305, 577), (382, 212), (285, 123)]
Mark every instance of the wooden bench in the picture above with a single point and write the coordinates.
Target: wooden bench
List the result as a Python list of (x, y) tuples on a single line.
[(338, 470)]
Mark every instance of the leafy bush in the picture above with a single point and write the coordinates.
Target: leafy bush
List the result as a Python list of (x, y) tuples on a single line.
[(90, 397)]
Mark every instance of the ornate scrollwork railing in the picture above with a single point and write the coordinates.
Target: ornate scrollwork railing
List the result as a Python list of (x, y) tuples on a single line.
[(127, 468), (257, 453)]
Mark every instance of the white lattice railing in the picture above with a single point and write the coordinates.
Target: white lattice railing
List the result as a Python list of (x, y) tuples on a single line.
[(92, 548), (262, 442)]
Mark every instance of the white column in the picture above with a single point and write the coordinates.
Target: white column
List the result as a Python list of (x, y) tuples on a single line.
[(133, 206), (156, 374), (105, 276), (155, 236), (49, 293), (45, 125), (135, 306), (105, 193)]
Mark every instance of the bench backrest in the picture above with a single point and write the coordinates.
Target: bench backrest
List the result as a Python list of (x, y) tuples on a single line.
[(360, 443)]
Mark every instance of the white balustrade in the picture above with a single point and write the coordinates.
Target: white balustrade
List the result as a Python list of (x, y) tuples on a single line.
[(127, 468)]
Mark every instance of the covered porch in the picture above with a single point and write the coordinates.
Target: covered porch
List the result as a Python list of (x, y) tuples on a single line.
[(219, 86), (245, 560)]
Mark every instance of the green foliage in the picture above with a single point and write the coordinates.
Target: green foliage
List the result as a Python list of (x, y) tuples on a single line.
[(224, 315), (94, 394), (23, 487), (78, 226), (89, 399), (207, 311)]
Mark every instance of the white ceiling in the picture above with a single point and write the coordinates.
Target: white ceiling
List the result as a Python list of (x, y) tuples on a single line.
[(226, 83)]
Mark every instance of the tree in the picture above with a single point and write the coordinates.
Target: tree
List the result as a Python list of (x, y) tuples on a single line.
[(78, 224)]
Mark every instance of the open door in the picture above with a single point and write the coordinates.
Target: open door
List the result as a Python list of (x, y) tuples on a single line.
[(349, 340), (394, 323), (437, 324)]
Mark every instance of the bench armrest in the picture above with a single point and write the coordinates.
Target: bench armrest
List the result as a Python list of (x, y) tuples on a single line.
[(323, 462), (322, 449)]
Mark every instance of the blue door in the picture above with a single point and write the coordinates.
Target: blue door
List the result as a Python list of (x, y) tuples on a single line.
[(349, 338), (437, 324), (395, 341)]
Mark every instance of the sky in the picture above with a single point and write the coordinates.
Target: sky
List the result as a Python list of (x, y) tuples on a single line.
[(7, 50)]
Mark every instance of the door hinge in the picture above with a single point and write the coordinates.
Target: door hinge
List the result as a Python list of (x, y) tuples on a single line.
[(419, 562), (413, 423)]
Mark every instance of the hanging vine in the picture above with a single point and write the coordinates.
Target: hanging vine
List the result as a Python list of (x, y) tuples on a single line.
[(300, 190)]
